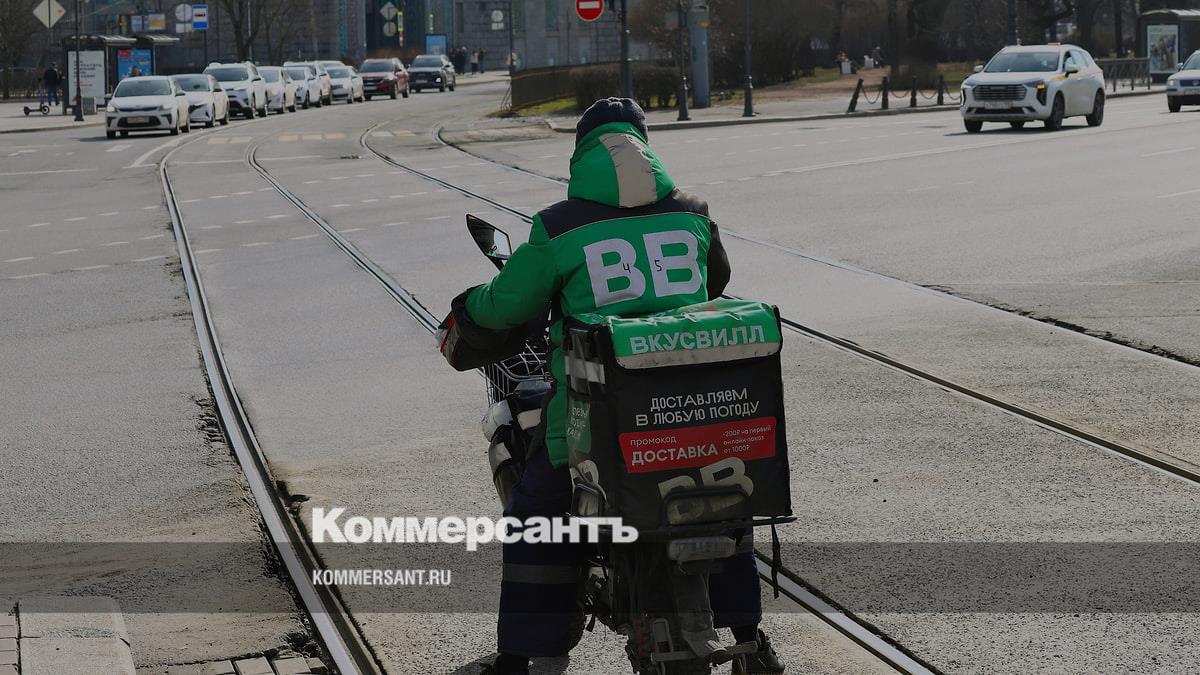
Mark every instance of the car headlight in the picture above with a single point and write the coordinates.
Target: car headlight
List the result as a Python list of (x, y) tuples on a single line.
[(1038, 86), (111, 108), (1171, 81), (166, 107)]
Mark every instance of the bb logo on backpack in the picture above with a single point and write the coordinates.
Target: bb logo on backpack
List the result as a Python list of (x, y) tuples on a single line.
[(623, 259)]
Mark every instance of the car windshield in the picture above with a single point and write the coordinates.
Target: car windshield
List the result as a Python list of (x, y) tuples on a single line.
[(427, 62), (193, 82), (298, 73), (1023, 62), (142, 88), (338, 72), (376, 67), (229, 74), (1193, 63), (270, 75)]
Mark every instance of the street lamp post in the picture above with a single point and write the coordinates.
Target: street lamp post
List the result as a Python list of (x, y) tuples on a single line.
[(512, 50), (626, 66), (78, 39), (1012, 23), (683, 87), (748, 110)]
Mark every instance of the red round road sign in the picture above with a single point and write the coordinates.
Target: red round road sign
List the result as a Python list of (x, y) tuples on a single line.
[(589, 10)]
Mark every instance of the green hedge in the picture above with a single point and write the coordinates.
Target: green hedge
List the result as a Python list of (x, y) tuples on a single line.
[(653, 85)]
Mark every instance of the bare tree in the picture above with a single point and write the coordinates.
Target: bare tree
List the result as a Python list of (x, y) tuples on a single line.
[(246, 19), (17, 25)]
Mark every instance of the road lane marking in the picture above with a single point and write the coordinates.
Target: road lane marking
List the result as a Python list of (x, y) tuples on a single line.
[(243, 192), (240, 140), (38, 173), (147, 208), (217, 196), (364, 175), (188, 201), (146, 155), (335, 135), (312, 137), (257, 243), (148, 258), (352, 229), (244, 222), (1179, 194), (210, 161), (116, 243), (381, 134), (37, 225), (12, 260), (218, 141), (89, 267), (120, 147), (311, 182), (745, 178), (30, 276), (111, 213), (394, 224), (338, 206), (1160, 153), (207, 250), (68, 250), (152, 236), (369, 201), (445, 217), (304, 236), (211, 227), (277, 216), (288, 138)]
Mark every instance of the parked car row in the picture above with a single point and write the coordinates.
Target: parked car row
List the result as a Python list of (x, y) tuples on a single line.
[(174, 103)]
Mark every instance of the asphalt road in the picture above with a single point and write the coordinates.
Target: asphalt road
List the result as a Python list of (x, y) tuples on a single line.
[(843, 224)]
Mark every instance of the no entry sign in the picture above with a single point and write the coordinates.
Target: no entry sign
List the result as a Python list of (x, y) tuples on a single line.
[(589, 10)]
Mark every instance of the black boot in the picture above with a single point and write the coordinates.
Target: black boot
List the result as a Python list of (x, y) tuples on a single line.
[(762, 662), (507, 664)]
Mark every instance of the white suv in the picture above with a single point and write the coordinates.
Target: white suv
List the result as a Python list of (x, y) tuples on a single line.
[(1047, 83), (243, 85), (1183, 88)]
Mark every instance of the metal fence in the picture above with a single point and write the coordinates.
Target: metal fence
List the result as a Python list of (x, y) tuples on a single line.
[(540, 85), (887, 96), (1122, 72)]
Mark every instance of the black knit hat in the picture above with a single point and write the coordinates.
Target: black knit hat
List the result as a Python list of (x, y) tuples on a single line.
[(611, 110)]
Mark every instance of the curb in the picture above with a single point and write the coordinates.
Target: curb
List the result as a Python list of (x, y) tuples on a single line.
[(700, 124), (60, 635)]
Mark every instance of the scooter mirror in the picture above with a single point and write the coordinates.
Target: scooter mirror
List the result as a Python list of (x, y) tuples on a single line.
[(492, 241)]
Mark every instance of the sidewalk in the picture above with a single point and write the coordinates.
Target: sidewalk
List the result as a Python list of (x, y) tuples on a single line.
[(727, 113), (13, 118)]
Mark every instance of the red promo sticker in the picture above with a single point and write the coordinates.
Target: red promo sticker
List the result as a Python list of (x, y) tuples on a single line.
[(691, 447)]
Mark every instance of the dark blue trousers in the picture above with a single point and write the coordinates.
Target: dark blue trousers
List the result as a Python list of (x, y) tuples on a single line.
[(540, 589)]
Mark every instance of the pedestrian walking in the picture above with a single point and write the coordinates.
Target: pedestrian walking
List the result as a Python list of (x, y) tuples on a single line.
[(481, 67), (52, 82), (475, 62)]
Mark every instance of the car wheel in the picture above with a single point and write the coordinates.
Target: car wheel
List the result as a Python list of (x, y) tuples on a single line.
[(1097, 116), (124, 134), (175, 130), (1017, 125), (393, 95), (210, 124), (293, 108), (1055, 121), (453, 86), (442, 88), (1173, 105), (405, 94), (225, 119), (367, 97), (110, 134), (973, 126)]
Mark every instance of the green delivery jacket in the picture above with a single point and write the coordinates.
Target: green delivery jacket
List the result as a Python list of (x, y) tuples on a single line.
[(625, 242)]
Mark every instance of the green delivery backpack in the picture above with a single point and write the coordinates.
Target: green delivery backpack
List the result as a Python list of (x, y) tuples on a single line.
[(676, 419)]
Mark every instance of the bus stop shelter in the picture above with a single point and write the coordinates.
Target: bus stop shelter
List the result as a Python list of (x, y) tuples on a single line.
[(105, 60), (1167, 37)]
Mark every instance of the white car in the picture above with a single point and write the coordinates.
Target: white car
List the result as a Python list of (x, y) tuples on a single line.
[(1047, 83), (309, 86), (346, 84), (149, 103), (207, 102), (281, 91), (243, 85), (322, 74), (1183, 88)]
